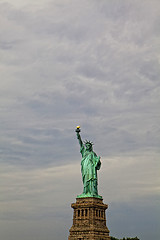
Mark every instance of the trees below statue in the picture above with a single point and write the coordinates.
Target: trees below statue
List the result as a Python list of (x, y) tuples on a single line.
[(135, 238)]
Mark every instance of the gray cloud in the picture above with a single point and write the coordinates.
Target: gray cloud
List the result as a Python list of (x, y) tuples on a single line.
[(68, 63)]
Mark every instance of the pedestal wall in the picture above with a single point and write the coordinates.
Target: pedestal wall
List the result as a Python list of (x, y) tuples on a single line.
[(89, 220)]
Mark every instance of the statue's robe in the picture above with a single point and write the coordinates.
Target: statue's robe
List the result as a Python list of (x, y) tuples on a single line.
[(90, 163)]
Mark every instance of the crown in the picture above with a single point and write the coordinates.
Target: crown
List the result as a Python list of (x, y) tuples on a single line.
[(88, 142)]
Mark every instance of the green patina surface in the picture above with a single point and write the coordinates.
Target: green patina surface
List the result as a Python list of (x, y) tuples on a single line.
[(90, 163)]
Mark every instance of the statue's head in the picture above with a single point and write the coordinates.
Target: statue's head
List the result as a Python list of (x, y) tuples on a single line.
[(88, 145)]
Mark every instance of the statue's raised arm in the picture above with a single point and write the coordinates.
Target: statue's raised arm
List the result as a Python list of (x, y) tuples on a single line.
[(79, 136)]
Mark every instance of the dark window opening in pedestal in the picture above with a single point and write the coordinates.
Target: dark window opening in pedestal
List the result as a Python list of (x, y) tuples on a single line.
[(82, 212), (86, 212), (78, 213)]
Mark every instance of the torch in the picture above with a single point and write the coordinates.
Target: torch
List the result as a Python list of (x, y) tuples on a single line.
[(78, 129)]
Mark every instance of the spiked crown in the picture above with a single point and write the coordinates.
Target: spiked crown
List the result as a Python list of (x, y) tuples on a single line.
[(88, 142)]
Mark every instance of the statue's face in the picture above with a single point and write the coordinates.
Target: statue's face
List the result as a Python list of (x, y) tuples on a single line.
[(88, 146)]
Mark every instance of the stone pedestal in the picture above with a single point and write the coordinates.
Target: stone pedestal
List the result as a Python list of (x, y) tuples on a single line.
[(89, 220)]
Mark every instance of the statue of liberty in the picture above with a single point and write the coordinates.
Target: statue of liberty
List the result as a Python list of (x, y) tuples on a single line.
[(90, 163)]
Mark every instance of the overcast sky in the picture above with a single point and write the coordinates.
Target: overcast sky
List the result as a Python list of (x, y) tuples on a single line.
[(93, 63)]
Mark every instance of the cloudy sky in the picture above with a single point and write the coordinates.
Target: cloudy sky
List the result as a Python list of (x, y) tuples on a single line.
[(93, 63)]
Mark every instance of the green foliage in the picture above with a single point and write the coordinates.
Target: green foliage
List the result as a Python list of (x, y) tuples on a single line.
[(113, 238), (135, 238)]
